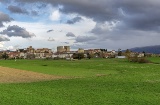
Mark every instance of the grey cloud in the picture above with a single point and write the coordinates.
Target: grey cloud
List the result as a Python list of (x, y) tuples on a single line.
[(66, 42), (19, 9), (16, 31), (4, 18), (50, 30), (16, 9), (129, 42), (51, 39), (118, 22), (81, 39), (101, 28), (34, 13), (40, 6), (2, 38), (74, 20), (70, 34), (112, 31), (123, 39)]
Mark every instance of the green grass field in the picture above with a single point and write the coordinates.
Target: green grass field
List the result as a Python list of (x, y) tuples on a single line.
[(102, 82)]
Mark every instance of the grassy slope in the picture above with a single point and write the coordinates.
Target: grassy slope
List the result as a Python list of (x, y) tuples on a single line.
[(124, 84)]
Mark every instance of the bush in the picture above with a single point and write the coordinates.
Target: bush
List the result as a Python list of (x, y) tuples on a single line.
[(139, 60), (78, 56), (143, 60)]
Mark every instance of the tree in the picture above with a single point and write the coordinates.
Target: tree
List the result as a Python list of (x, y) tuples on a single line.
[(128, 54), (5, 56), (78, 56), (127, 51), (103, 50), (119, 52), (88, 56), (144, 53)]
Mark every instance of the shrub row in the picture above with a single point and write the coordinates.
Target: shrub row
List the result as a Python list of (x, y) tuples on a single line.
[(139, 60)]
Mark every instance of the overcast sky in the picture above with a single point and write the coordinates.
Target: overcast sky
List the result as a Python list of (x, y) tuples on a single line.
[(109, 24)]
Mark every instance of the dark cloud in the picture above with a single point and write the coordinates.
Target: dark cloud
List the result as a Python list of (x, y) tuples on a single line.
[(141, 15), (70, 34), (74, 20), (50, 31), (2, 38), (97, 10), (16, 9), (16, 31), (134, 14), (85, 38), (4, 1), (4, 18)]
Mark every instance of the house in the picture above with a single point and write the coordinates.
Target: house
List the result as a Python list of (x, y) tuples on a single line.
[(140, 55), (80, 50), (111, 54), (121, 57), (22, 53), (13, 54), (43, 53), (30, 50), (63, 55)]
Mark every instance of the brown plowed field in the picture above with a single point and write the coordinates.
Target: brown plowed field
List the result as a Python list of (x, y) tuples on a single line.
[(10, 75)]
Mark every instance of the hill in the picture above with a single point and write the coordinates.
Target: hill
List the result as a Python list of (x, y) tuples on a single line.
[(148, 49)]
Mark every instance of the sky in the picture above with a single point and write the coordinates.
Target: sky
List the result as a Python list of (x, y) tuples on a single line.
[(108, 24)]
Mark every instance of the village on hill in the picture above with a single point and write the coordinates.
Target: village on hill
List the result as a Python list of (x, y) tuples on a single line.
[(64, 52)]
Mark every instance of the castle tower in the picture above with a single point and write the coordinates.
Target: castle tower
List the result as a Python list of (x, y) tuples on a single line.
[(67, 48), (60, 49)]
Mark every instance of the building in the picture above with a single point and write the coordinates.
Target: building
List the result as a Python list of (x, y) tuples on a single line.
[(13, 54), (80, 50), (22, 53), (30, 50), (61, 49), (66, 48), (43, 53)]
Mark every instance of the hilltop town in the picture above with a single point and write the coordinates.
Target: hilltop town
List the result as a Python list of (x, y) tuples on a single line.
[(64, 52)]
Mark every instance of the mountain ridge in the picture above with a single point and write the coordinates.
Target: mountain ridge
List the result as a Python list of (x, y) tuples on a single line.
[(148, 49)]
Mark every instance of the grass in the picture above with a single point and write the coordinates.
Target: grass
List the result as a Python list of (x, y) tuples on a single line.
[(81, 68), (155, 60), (122, 83)]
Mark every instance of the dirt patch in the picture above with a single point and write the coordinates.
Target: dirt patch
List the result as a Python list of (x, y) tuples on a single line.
[(10, 75)]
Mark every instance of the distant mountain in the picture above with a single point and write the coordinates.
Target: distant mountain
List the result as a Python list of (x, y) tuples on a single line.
[(148, 49)]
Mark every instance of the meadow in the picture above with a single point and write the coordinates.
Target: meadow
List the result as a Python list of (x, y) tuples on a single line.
[(92, 82)]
